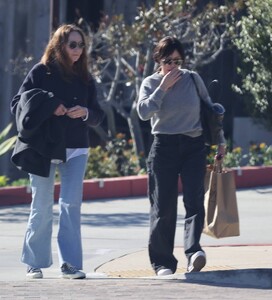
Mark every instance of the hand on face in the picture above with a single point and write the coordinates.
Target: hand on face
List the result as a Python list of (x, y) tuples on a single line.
[(170, 70), (170, 79)]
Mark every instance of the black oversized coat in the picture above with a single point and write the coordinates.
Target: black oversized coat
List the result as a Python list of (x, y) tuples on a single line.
[(74, 132)]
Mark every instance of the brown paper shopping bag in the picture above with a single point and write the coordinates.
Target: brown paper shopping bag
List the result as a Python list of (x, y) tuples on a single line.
[(221, 211)]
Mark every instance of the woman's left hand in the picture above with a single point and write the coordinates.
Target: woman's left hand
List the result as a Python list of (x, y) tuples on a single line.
[(77, 112), (220, 152)]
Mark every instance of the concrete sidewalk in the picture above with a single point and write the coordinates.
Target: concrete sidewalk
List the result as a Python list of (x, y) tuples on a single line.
[(115, 234), (239, 265)]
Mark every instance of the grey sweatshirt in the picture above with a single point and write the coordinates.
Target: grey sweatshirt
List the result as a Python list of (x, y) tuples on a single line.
[(176, 111)]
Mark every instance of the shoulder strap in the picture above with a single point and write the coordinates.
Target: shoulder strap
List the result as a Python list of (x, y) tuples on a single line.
[(196, 86)]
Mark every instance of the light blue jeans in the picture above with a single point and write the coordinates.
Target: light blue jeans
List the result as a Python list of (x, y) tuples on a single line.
[(37, 250)]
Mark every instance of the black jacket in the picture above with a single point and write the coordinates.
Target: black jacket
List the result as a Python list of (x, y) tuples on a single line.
[(40, 133), (70, 92)]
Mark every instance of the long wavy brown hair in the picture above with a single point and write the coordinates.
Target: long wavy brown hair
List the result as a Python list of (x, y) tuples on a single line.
[(55, 53)]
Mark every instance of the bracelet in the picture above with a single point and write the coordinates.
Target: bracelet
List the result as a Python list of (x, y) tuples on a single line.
[(87, 115)]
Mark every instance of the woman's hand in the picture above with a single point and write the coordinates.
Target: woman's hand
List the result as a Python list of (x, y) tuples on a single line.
[(220, 152), (77, 112), (61, 110), (170, 79)]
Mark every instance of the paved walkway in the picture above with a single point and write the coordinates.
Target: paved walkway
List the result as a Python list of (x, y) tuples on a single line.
[(115, 234), (219, 258)]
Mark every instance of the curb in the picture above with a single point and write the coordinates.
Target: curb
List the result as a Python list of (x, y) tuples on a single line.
[(132, 186), (225, 267), (243, 278), (255, 278)]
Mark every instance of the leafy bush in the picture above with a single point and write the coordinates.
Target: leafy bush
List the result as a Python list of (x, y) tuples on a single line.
[(119, 159), (6, 144), (260, 155), (3, 181), (116, 159), (20, 182), (233, 158)]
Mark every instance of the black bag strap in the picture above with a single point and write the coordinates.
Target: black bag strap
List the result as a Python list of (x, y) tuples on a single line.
[(209, 120), (197, 87)]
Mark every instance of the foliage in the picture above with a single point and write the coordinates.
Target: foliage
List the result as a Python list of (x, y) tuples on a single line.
[(254, 42), (257, 155), (20, 182), (119, 159), (122, 54), (260, 155), (211, 154), (116, 159), (233, 158), (3, 181), (6, 144)]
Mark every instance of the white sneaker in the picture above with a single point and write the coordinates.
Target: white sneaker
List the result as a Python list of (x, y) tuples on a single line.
[(164, 272), (34, 273), (70, 272), (197, 262)]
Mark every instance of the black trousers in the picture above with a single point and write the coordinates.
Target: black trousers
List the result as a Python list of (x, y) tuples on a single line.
[(171, 157)]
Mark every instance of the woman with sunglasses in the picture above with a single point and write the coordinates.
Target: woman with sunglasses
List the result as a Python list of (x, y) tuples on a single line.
[(62, 84), (170, 100)]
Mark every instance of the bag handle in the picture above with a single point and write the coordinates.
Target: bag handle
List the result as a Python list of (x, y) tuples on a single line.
[(217, 165)]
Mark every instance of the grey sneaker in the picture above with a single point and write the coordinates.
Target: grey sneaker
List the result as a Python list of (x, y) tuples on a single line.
[(197, 262), (70, 272), (34, 273)]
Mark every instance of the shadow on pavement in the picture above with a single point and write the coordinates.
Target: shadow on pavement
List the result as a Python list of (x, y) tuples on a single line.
[(240, 278)]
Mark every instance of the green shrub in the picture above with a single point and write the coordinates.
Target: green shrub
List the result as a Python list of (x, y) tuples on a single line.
[(233, 158), (3, 181), (20, 182), (6, 144), (116, 159), (260, 155)]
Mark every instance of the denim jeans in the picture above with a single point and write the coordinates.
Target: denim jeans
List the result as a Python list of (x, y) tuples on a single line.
[(171, 157), (37, 250)]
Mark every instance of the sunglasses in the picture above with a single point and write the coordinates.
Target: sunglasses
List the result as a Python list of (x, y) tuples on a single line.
[(73, 45), (169, 61)]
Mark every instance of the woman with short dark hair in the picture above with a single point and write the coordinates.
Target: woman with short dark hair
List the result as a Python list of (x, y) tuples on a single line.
[(169, 99)]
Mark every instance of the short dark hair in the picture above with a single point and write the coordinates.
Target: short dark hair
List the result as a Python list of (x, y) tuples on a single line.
[(166, 47)]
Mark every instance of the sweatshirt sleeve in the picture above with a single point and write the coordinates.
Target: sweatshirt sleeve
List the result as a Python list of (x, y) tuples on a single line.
[(150, 99)]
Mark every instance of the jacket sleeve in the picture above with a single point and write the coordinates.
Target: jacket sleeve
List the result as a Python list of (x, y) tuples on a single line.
[(34, 108), (95, 113)]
